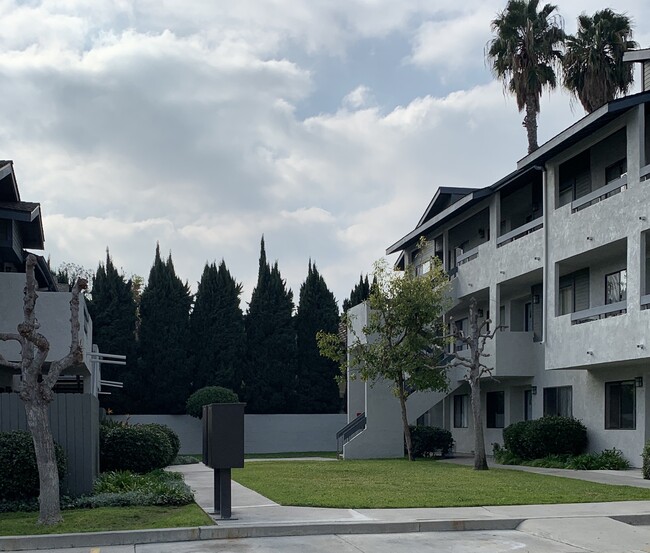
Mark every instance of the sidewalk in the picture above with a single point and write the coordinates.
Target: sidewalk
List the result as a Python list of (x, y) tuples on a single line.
[(255, 516)]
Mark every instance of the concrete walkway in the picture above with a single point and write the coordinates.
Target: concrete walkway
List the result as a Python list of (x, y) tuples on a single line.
[(579, 527)]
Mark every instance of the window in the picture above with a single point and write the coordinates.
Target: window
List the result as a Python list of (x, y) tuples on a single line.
[(461, 404), (528, 405), (558, 401), (620, 407), (616, 170), (423, 268), (566, 299), (495, 409), (460, 327), (616, 287)]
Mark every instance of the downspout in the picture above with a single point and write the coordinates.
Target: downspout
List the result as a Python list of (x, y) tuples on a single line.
[(545, 256)]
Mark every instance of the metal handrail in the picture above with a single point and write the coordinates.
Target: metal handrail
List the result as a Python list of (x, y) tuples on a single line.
[(599, 192), (599, 311), (349, 431), (645, 300), (520, 231)]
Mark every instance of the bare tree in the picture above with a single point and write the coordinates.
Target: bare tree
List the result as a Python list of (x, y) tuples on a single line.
[(477, 336), (36, 386)]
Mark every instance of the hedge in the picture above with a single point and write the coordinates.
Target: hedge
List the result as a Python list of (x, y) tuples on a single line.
[(140, 448), (426, 441), (18, 469), (540, 438)]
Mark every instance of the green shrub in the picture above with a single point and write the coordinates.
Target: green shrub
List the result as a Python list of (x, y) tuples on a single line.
[(206, 396), (140, 448), (610, 459), (515, 438), (174, 440), (122, 488), (646, 461), (426, 441), (18, 469), (504, 456), (539, 438)]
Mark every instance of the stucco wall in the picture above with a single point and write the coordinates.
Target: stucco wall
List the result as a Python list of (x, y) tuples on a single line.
[(262, 433)]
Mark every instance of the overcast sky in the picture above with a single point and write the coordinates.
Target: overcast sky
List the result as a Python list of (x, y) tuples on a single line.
[(325, 125)]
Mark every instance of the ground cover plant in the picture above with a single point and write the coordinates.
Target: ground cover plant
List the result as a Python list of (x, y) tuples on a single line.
[(609, 459), (397, 483), (106, 519)]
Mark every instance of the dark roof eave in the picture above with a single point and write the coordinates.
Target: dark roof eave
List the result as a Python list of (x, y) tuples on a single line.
[(596, 119), (414, 235), (444, 191)]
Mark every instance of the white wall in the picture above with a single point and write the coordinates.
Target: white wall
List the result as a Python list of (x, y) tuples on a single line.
[(262, 433)]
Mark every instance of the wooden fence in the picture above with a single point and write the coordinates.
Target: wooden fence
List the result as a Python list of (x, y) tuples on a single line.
[(74, 419)]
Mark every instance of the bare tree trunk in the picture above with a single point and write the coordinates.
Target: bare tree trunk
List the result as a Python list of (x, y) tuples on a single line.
[(530, 122), (48, 475), (405, 422), (480, 459)]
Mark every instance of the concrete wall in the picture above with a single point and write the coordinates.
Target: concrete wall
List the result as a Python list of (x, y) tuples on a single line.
[(74, 420), (52, 312), (262, 433)]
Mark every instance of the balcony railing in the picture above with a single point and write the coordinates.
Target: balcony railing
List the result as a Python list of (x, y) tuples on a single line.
[(645, 301), (521, 231), (645, 173), (600, 312), (600, 193), (467, 256)]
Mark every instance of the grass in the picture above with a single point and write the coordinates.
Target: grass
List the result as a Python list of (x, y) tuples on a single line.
[(106, 519), (400, 483)]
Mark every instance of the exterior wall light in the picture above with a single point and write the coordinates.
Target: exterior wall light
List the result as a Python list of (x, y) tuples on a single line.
[(589, 352), (638, 381), (533, 390), (536, 298)]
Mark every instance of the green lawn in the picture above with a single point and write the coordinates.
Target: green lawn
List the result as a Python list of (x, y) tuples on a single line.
[(106, 519), (400, 483)]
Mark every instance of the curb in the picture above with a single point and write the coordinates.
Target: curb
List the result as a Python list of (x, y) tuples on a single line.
[(167, 535)]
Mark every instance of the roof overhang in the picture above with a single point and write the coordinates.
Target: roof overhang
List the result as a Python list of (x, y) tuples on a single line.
[(583, 128), (637, 55), (464, 203)]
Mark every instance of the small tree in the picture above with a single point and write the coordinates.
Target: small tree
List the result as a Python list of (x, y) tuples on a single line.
[(36, 386), (475, 339), (405, 342)]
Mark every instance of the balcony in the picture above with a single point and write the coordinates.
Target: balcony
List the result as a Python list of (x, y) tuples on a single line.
[(520, 232), (645, 301), (645, 173), (518, 354), (600, 312), (466, 237), (467, 256), (602, 193)]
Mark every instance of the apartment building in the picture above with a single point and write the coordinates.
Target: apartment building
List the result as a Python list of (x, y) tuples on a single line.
[(558, 252)]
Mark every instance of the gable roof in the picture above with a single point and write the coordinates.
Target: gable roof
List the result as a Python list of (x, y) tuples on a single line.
[(26, 214), (437, 213)]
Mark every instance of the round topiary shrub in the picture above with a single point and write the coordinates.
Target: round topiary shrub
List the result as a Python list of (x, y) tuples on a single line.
[(540, 438), (206, 396), (18, 469), (139, 448), (515, 438), (174, 440)]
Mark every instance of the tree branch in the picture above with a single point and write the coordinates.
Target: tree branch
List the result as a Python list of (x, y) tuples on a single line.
[(76, 350)]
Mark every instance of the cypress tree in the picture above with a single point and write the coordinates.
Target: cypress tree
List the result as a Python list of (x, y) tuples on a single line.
[(217, 329), (113, 310), (270, 381), (359, 294), (317, 310), (163, 360)]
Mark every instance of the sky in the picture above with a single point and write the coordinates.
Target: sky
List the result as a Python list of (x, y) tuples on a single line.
[(326, 126)]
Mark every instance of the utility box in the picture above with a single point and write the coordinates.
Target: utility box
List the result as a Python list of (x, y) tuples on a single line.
[(223, 435), (223, 449)]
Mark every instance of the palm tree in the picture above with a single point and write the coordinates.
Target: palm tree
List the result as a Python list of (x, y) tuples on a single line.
[(525, 53), (593, 65)]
